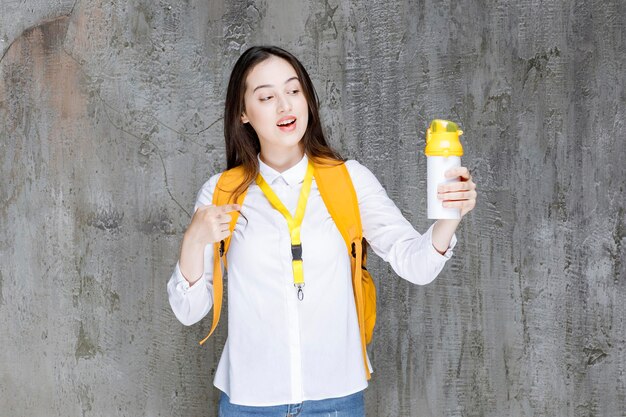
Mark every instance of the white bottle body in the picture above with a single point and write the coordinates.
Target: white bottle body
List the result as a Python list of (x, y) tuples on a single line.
[(437, 166)]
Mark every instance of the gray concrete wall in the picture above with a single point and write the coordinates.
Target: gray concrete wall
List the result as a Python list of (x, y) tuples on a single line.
[(110, 121)]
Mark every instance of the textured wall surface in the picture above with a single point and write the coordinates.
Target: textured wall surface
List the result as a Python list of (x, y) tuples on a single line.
[(110, 121)]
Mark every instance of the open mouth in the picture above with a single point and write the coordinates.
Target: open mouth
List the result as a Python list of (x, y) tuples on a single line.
[(287, 124)]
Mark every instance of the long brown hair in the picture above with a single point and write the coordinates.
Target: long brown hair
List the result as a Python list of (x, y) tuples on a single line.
[(242, 142)]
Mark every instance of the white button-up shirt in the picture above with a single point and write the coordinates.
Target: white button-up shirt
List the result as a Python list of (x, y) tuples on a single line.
[(281, 350)]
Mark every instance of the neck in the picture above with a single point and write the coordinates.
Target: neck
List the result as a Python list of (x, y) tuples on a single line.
[(283, 159)]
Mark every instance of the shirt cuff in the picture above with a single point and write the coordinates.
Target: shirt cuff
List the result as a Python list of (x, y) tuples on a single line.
[(182, 285), (448, 253)]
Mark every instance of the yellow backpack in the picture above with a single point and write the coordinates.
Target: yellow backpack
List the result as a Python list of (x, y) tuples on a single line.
[(335, 186)]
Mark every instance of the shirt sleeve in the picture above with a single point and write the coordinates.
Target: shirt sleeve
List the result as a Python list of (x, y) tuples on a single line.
[(191, 303), (411, 254)]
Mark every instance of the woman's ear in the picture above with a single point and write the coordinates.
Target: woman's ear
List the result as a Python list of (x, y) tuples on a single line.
[(244, 118)]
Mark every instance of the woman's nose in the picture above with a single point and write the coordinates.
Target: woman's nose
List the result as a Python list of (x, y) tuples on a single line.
[(284, 104)]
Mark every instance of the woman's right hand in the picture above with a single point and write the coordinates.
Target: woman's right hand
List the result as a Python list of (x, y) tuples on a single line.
[(210, 224)]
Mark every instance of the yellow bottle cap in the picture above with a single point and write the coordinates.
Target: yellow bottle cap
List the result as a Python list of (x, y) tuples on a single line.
[(442, 139)]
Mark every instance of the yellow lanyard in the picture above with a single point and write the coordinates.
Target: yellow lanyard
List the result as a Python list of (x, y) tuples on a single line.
[(292, 222)]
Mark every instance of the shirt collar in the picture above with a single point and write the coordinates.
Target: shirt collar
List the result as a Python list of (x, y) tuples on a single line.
[(292, 176)]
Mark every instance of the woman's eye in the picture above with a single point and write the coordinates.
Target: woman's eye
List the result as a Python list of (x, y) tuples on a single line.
[(265, 98), (294, 91)]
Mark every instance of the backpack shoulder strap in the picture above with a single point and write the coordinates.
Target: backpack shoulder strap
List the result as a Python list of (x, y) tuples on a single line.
[(339, 196), (337, 191), (224, 193), (226, 185)]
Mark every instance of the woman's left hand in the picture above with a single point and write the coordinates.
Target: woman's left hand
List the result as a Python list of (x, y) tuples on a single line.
[(460, 194)]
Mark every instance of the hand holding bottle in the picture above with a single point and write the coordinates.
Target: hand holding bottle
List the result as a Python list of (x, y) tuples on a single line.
[(451, 191), (459, 194)]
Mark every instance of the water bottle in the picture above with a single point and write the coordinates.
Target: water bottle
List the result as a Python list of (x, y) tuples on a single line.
[(443, 152)]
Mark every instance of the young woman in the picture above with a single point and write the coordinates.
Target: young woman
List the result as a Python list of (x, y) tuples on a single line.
[(286, 354)]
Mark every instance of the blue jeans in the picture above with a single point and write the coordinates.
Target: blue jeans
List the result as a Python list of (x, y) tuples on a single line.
[(352, 405)]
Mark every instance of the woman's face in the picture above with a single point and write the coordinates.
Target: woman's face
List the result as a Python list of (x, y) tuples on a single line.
[(275, 105)]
